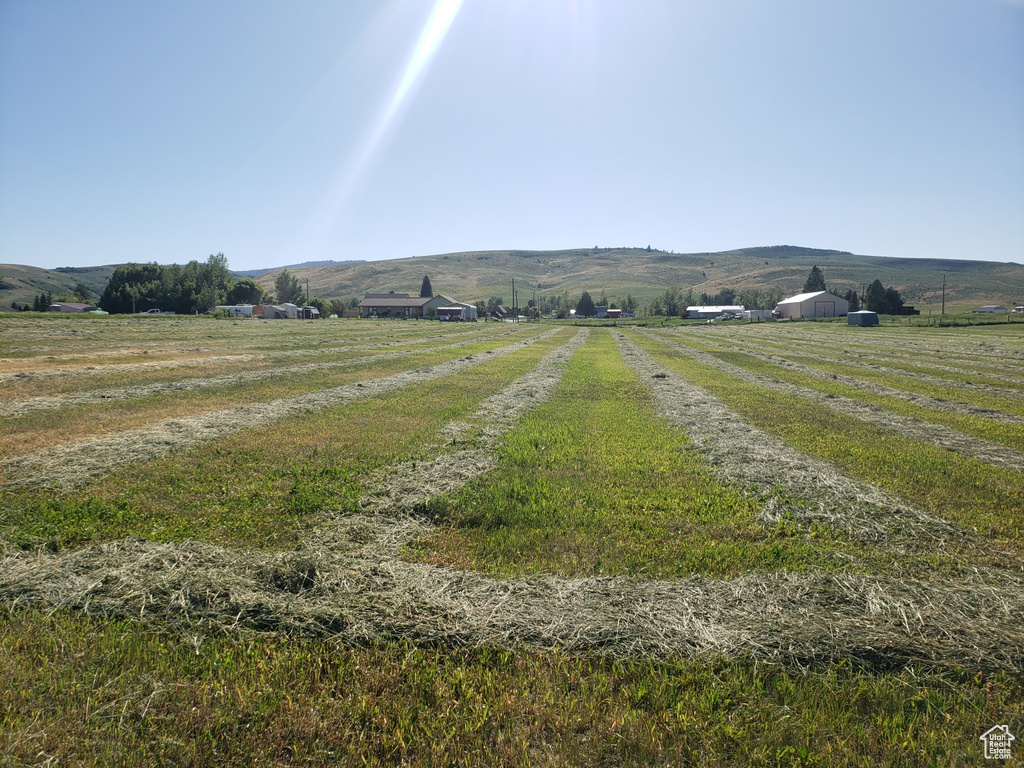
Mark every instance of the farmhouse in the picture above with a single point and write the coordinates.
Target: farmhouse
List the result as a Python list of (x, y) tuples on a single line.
[(71, 306), (402, 305), (816, 304)]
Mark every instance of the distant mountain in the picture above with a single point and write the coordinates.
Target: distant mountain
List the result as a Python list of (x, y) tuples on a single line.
[(22, 284), (644, 273), (303, 265), (474, 275)]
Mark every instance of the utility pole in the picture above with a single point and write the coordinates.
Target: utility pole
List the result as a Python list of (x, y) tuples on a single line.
[(943, 293), (134, 288), (307, 291)]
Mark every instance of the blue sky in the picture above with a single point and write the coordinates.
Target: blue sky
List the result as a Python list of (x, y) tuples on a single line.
[(280, 132)]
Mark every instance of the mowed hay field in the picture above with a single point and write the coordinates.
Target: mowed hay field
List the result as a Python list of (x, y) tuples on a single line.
[(410, 543)]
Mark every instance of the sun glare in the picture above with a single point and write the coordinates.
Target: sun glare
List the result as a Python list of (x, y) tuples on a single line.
[(430, 40)]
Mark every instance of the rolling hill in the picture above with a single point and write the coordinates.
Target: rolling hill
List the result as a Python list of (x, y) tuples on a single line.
[(644, 273), (477, 275)]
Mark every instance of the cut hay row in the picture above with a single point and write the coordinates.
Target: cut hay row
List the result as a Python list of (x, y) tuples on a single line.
[(751, 458), (825, 352), (66, 372), (117, 368), (350, 585), (408, 485), (874, 388), (854, 353), (366, 594), (934, 434), (137, 391), (953, 344), (76, 465)]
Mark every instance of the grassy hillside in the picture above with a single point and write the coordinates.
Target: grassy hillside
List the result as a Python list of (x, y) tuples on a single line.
[(22, 284), (617, 271), (480, 274)]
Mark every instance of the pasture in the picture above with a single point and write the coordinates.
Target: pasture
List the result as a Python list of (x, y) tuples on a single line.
[(386, 542)]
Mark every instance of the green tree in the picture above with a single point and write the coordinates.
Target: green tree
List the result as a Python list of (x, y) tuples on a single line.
[(894, 300), (585, 306), (875, 298), (246, 291), (670, 301), (852, 299), (426, 291), (815, 281), (288, 289), (82, 293)]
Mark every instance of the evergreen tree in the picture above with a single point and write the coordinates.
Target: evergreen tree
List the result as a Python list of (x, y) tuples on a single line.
[(585, 306), (288, 289), (875, 298), (425, 289), (815, 281), (853, 300), (894, 300)]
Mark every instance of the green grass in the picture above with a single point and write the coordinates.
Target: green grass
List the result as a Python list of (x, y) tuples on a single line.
[(594, 483), (261, 487), (1004, 433), (86, 692), (958, 488), (38, 428)]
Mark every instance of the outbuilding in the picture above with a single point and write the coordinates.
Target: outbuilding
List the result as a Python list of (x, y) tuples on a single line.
[(71, 306), (863, 318), (236, 310), (991, 309), (712, 311), (457, 312), (816, 304)]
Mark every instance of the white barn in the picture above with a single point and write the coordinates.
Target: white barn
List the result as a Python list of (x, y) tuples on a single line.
[(704, 312), (816, 304)]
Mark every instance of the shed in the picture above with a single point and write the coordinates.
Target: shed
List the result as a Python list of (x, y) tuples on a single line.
[(713, 310), (862, 318), (816, 304), (457, 311), (991, 309)]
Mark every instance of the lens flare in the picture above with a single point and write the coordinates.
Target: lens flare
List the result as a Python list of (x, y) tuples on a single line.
[(430, 40)]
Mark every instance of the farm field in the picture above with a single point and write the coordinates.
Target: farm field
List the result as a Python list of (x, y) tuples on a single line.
[(374, 542)]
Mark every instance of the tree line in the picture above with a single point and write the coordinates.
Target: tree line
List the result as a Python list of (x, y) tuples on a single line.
[(197, 287)]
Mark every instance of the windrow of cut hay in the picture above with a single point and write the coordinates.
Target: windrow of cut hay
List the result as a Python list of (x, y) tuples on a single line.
[(934, 434), (1006, 384), (40, 368), (875, 388), (76, 465), (350, 584), (190, 384), (902, 359), (813, 490)]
